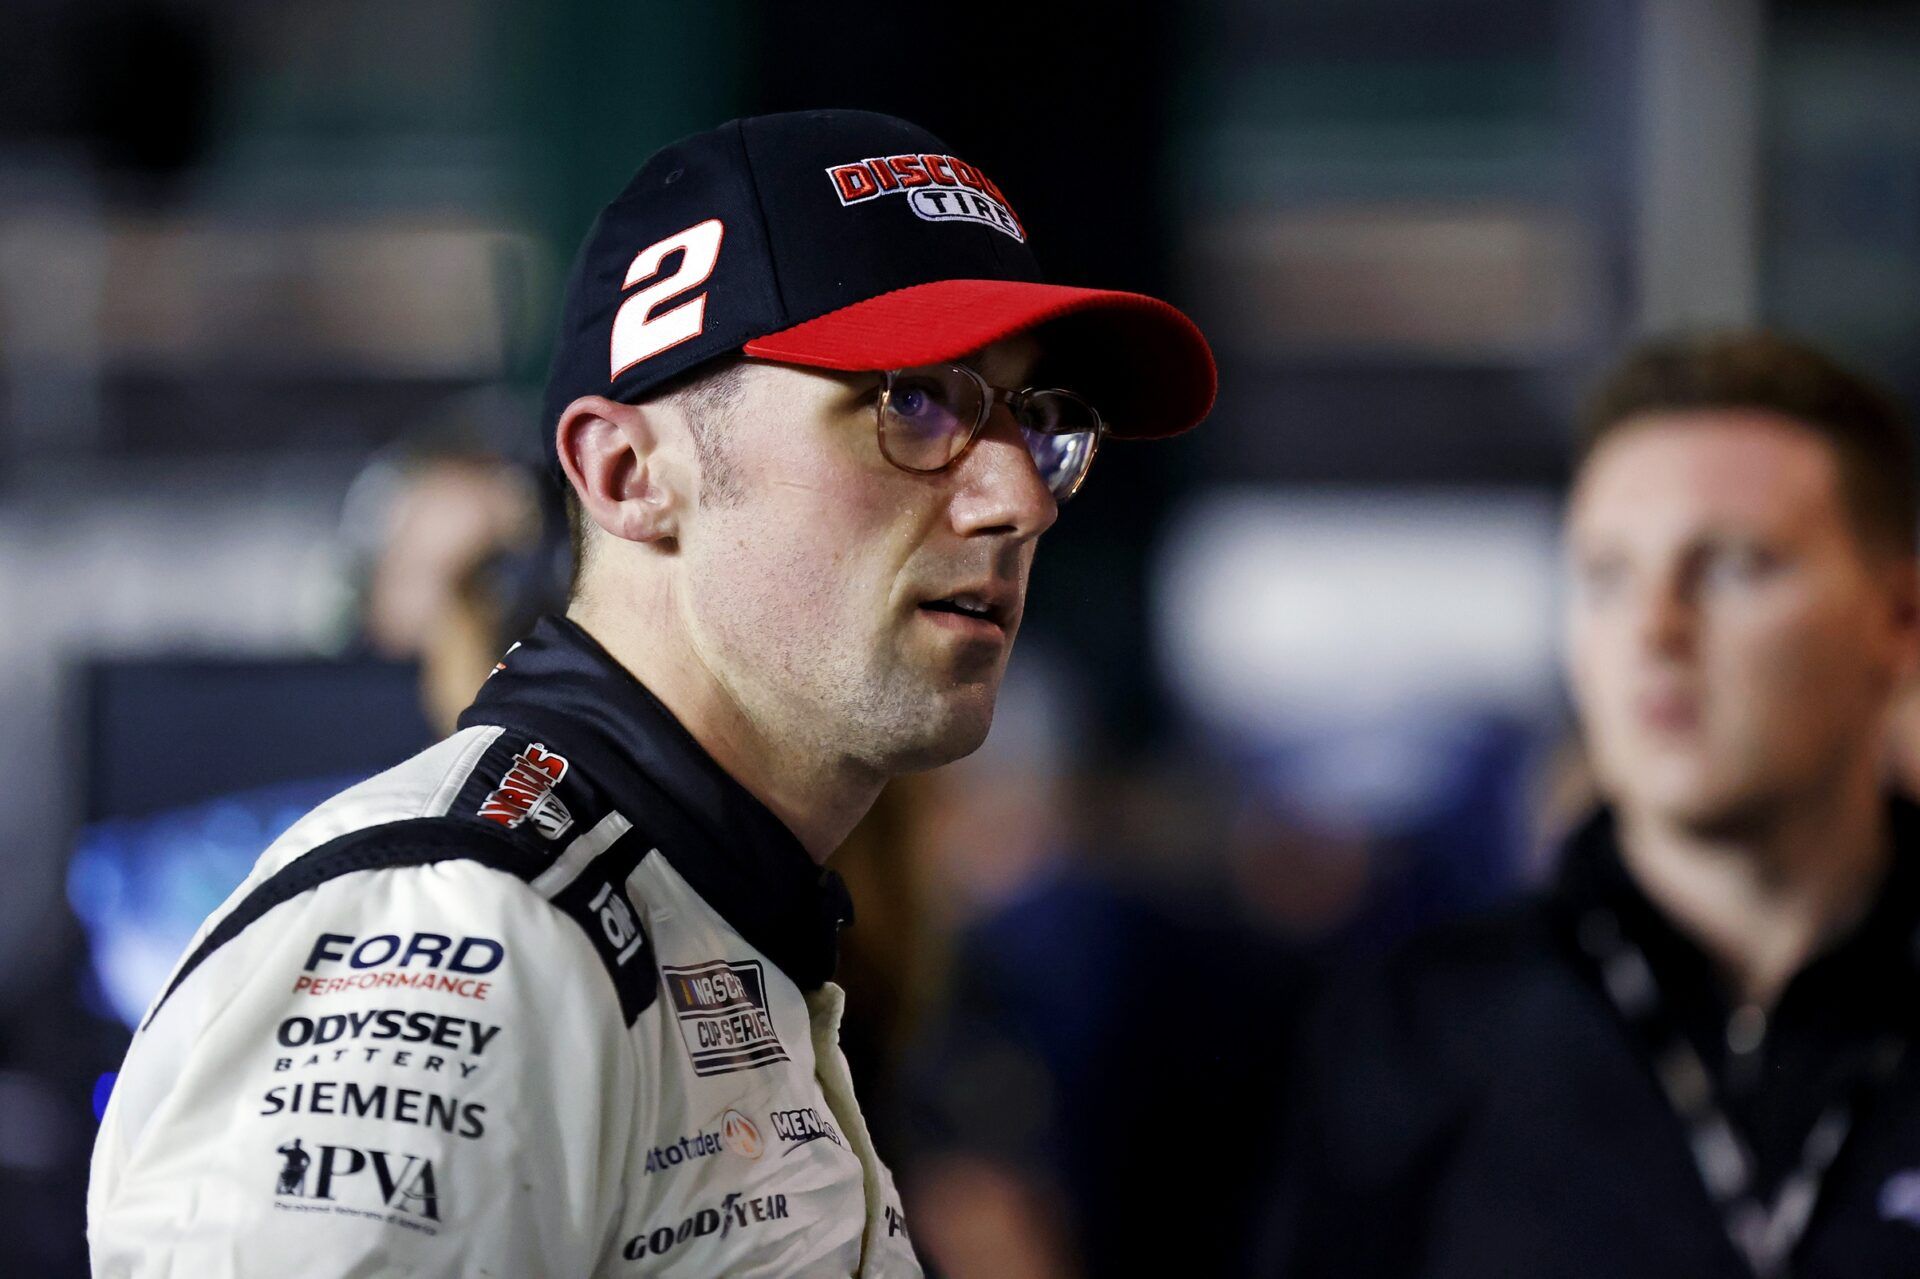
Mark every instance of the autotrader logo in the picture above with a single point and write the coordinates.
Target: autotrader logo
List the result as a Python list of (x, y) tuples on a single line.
[(735, 1133)]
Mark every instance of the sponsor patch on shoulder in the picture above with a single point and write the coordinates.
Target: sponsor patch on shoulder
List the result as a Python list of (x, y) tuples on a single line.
[(526, 792), (438, 962), (723, 1015)]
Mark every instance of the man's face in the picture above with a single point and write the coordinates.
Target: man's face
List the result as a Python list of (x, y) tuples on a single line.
[(1732, 645), (824, 590)]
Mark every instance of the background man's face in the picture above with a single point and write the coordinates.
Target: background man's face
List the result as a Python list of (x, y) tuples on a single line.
[(807, 587), (1731, 643)]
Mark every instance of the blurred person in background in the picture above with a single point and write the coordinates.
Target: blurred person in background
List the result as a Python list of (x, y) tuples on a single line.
[(1050, 1120), (981, 1175), (455, 547), (445, 556), (554, 996), (1694, 1053)]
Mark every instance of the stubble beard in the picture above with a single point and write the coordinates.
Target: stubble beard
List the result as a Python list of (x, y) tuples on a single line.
[(1729, 798), (875, 705), (887, 714)]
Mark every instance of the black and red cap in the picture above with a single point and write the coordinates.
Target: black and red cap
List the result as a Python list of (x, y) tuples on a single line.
[(855, 241)]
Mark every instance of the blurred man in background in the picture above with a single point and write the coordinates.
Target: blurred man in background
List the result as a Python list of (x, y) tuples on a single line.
[(1694, 1054)]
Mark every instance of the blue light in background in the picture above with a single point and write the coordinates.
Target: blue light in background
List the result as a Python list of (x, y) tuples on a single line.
[(102, 1090), (142, 886)]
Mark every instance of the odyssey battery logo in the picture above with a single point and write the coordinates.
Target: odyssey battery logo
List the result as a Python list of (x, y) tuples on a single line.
[(938, 188), (526, 792)]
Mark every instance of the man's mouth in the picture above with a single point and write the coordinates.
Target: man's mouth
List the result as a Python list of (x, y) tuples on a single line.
[(1668, 712), (970, 611)]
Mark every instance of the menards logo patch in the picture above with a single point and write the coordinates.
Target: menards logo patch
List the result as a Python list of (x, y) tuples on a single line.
[(525, 793)]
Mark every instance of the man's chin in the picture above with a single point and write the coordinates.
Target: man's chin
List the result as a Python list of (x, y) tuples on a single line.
[(952, 728), (1702, 808)]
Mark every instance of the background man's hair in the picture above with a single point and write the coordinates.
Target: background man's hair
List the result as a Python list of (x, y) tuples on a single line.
[(705, 396), (1866, 426)]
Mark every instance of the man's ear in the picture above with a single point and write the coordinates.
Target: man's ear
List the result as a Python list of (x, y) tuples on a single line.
[(627, 482), (1903, 592)]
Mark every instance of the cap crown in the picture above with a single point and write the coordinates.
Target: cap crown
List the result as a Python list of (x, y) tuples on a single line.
[(762, 224)]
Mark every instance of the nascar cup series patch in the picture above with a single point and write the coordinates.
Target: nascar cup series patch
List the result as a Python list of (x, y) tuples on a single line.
[(723, 1015)]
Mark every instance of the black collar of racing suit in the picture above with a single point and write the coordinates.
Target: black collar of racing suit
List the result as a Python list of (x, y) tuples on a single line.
[(560, 687)]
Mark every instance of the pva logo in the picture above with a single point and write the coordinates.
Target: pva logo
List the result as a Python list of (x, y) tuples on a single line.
[(938, 188), (525, 792), (349, 1175)]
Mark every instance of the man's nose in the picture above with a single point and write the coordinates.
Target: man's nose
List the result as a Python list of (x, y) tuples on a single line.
[(1000, 489), (1668, 618)]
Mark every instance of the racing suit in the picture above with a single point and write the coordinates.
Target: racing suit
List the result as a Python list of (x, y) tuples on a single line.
[(549, 998)]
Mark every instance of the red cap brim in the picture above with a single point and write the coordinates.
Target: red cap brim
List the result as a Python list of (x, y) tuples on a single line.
[(1141, 362)]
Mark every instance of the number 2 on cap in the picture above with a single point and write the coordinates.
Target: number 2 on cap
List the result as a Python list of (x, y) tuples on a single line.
[(638, 334)]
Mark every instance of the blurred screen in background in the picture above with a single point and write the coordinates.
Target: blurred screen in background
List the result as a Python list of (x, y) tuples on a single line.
[(193, 768)]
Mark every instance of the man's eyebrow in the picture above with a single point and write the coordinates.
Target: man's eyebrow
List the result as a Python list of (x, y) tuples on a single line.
[(1028, 370)]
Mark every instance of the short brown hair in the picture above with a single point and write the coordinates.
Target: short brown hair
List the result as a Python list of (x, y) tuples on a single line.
[(1866, 426), (705, 393)]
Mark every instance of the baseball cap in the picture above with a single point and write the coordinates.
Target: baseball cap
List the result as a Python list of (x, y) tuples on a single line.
[(855, 241)]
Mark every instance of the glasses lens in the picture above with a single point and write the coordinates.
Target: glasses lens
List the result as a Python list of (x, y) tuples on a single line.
[(1061, 431), (928, 416)]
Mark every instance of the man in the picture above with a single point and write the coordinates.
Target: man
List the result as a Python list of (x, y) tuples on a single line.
[(552, 998), (1694, 1055)]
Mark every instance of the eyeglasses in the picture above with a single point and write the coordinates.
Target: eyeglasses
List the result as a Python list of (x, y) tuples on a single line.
[(930, 417)]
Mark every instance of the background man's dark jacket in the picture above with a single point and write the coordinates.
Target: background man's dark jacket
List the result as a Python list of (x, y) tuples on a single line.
[(1476, 1107)]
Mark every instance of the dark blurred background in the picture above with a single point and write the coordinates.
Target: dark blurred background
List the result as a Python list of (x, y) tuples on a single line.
[(275, 289)]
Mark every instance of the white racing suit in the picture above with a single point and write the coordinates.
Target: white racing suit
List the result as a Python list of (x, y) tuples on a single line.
[(550, 998)]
